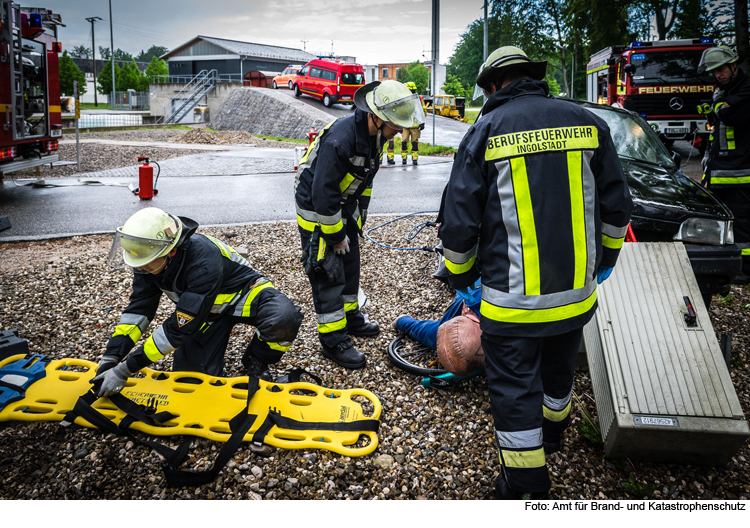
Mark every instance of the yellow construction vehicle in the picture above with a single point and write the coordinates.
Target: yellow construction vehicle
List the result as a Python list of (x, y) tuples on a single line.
[(445, 105)]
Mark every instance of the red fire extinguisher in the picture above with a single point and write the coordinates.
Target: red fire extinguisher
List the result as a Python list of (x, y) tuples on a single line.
[(146, 184)]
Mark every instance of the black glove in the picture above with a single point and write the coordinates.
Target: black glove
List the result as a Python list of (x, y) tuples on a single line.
[(421, 127), (107, 362)]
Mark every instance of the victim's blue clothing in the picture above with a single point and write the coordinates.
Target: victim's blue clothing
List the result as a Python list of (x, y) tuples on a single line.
[(425, 332)]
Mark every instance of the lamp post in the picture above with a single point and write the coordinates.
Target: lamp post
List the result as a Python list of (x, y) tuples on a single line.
[(93, 54), (112, 49)]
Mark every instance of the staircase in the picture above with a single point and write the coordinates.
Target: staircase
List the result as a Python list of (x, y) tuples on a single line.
[(198, 87)]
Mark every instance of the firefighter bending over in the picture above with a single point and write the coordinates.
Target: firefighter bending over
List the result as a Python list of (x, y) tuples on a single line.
[(537, 204), (407, 135), (726, 163), (332, 192), (213, 287)]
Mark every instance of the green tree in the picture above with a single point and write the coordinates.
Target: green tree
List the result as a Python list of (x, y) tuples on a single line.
[(692, 20), (156, 67), (454, 87), (419, 75), (104, 53), (104, 79), (130, 78), (554, 87), (123, 56), (402, 75), (69, 72), (81, 52), (150, 53)]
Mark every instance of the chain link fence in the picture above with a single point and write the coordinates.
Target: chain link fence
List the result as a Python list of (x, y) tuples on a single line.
[(131, 100)]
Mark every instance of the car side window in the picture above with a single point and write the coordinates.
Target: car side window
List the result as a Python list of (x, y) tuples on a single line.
[(304, 71), (329, 75), (315, 72)]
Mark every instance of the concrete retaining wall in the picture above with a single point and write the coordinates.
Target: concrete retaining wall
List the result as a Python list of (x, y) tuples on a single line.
[(267, 112), (162, 93)]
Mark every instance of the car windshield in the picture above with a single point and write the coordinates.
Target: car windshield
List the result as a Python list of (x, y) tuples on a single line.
[(661, 67), (632, 137)]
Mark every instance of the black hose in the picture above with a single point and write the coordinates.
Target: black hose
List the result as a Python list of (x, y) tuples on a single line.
[(157, 174), (412, 234)]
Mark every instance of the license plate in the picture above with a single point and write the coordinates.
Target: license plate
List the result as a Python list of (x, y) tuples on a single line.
[(676, 130), (345, 97)]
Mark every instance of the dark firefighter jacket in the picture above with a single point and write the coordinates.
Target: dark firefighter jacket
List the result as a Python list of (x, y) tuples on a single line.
[(206, 279), (536, 201), (729, 156), (334, 179)]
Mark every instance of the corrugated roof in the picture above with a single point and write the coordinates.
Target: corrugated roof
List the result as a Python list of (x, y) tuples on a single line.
[(251, 49)]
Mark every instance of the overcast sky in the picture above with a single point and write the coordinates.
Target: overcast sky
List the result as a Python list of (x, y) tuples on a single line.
[(380, 31)]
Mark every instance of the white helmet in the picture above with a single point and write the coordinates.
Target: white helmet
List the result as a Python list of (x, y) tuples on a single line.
[(392, 102), (147, 235)]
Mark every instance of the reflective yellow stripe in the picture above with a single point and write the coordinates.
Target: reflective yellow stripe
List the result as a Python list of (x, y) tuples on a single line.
[(346, 182), (276, 346), (305, 224), (359, 222), (53, 109), (524, 459), (730, 132), (543, 140), (526, 225), (325, 328), (578, 216), (224, 298), (251, 296), (543, 315), (556, 416), (149, 348), (330, 229), (457, 269), (743, 179), (612, 243), (350, 307), (746, 251), (718, 106), (367, 192), (321, 249), (132, 331)]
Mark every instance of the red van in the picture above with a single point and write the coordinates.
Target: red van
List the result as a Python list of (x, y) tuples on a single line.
[(331, 80)]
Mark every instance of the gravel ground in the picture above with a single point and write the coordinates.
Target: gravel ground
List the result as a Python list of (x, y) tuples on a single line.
[(433, 444), (99, 157)]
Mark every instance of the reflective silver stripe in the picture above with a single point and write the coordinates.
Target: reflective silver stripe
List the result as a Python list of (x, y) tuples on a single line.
[(510, 220), (331, 317), (537, 302), (328, 220), (614, 232), (161, 341), (174, 297), (460, 258), (519, 439), (359, 161), (723, 173), (141, 321), (351, 189), (557, 404), (350, 298), (589, 205), (723, 136), (310, 216)]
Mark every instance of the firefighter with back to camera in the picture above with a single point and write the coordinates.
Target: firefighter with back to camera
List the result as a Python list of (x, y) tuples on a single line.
[(537, 204)]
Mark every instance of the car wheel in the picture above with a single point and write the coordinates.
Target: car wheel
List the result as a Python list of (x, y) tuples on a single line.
[(274, 86), (327, 101), (296, 90), (291, 85)]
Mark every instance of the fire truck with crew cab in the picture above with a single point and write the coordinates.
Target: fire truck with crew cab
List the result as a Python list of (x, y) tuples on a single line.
[(30, 112), (657, 80)]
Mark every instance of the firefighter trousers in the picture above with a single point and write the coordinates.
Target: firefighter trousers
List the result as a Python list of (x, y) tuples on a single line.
[(336, 301), (275, 318), (738, 201), (407, 135), (531, 384)]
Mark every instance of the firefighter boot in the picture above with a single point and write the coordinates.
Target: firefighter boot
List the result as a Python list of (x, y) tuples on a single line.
[(345, 355), (391, 152), (414, 152), (504, 492), (368, 329), (256, 368), (404, 152)]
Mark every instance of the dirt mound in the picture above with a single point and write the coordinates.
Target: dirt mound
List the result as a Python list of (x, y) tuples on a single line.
[(202, 136)]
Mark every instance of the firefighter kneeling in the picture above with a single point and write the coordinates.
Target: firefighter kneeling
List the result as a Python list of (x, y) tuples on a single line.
[(213, 287)]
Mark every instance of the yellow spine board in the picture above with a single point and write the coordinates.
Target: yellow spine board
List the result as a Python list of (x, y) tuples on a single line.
[(204, 404)]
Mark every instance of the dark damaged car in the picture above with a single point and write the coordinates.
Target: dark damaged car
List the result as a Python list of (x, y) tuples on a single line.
[(669, 206)]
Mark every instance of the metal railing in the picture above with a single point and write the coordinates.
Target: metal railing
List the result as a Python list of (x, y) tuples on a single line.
[(182, 103), (131, 101), (182, 79)]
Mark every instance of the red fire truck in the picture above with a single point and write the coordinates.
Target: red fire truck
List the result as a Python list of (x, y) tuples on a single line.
[(29, 87), (658, 80)]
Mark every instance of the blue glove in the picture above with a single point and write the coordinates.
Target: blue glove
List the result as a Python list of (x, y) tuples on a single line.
[(468, 295), (603, 274)]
